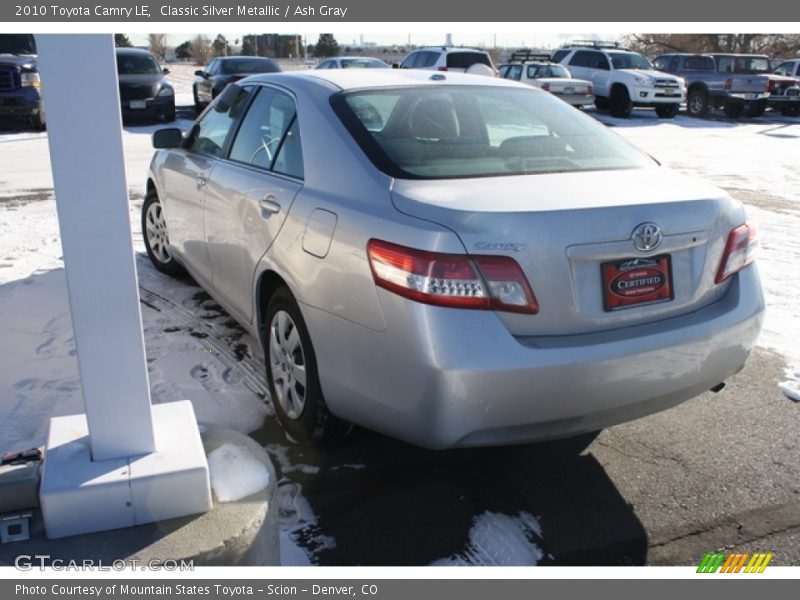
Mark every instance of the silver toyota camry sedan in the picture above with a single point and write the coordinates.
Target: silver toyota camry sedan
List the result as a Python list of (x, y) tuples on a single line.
[(452, 260)]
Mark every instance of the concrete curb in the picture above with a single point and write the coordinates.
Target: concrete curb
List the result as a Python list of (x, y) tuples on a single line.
[(244, 532)]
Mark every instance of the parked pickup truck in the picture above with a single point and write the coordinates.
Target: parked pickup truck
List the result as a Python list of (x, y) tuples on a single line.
[(709, 86), (757, 64), (20, 85)]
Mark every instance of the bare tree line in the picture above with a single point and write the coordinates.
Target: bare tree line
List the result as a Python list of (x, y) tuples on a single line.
[(772, 44)]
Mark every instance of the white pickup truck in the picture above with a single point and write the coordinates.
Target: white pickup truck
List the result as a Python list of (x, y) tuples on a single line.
[(623, 79)]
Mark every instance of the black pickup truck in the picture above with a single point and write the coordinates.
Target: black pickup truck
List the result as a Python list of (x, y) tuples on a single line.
[(714, 82), (20, 84)]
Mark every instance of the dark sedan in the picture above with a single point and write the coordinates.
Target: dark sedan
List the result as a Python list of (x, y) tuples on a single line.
[(143, 89), (222, 71)]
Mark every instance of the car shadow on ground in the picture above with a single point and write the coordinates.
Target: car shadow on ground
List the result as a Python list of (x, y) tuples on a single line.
[(384, 502)]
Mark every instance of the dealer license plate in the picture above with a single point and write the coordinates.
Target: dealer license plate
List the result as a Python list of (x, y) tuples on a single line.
[(138, 104), (637, 282)]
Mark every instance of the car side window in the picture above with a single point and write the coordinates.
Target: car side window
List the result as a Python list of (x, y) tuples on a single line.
[(208, 136), (261, 136), (289, 160), (581, 58), (559, 55), (599, 61), (784, 69), (408, 62), (661, 63), (514, 72)]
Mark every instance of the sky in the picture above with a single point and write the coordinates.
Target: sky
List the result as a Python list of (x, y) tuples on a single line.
[(517, 39)]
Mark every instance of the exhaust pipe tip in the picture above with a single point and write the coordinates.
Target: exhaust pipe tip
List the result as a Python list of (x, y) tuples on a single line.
[(718, 388)]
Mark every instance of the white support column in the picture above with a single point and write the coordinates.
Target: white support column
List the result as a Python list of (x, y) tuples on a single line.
[(124, 462), (85, 136)]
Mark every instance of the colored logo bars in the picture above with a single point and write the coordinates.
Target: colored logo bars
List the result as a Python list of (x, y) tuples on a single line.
[(734, 563)]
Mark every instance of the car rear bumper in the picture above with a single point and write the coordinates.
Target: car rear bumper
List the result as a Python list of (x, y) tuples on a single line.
[(441, 378), (576, 99)]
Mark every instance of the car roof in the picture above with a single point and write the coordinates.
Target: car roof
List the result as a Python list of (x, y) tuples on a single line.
[(352, 79), (355, 58), (140, 51), (450, 49), (247, 57)]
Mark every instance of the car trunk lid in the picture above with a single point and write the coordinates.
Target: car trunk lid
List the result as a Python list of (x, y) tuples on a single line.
[(563, 227)]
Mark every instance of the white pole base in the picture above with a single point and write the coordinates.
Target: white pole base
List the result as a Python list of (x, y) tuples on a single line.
[(78, 495)]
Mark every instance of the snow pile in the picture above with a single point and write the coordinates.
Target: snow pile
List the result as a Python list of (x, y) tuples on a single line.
[(500, 540), (791, 387), (236, 473)]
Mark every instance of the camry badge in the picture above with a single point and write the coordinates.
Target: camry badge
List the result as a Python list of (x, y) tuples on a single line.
[(647, 237)]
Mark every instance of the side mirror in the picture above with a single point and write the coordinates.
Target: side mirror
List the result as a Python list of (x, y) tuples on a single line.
[(165, 71), (171, 137), (200, 74), (228, 97)]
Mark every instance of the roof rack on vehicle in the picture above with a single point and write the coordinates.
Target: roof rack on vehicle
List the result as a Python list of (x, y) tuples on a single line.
[(526, 55), (592, 44)]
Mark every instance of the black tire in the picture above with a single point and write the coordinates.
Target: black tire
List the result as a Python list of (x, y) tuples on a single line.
[(667, 111), (697, 103), (619, 103), (39, 120), (169, 114), (313, 423), (601, 102), (159, 254), (756, 109), (733, 110), (790, 111)]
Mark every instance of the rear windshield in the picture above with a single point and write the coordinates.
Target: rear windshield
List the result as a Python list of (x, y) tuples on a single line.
[(464, 60), (363, 63), (544, 71), (137, 64), (249, 65), (478, 131)]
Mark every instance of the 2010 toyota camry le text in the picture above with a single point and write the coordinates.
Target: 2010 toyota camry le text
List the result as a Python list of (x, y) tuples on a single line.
[(452, 260)]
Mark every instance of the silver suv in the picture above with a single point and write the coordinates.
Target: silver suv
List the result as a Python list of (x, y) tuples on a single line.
[(623, 79), (445, 58)]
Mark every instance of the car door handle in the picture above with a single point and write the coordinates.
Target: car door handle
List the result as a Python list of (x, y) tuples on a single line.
[(269, 206), (201, 180)]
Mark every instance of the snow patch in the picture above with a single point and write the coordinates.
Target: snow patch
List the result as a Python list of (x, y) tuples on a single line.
[(791, 387), (236, 473), (300, 534), (500, 540)]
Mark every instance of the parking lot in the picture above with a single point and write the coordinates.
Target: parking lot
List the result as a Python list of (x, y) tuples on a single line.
[(720, 471)]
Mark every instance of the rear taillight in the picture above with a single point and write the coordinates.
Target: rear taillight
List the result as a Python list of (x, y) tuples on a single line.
[(454, 280), (771, 85), (546, 87), (729, 84), (442, 69), (739, 251)]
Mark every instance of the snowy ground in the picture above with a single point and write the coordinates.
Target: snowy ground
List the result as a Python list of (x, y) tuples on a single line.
[(196, 351)]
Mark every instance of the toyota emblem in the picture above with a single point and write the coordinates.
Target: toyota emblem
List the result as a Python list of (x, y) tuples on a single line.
[(647, 237)]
